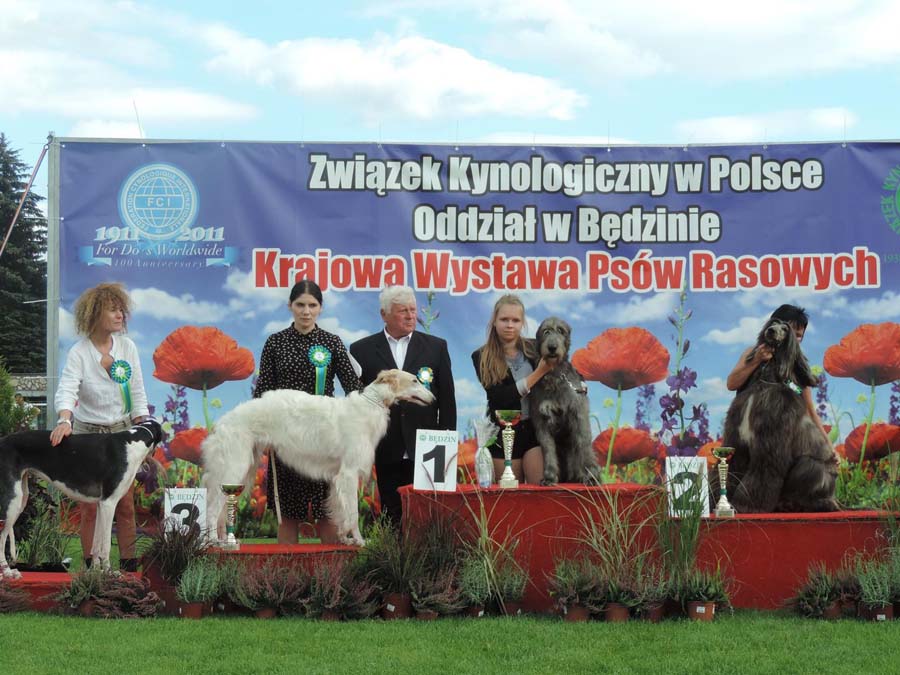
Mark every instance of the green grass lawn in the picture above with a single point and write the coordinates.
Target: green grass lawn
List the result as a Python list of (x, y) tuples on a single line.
[(754, 642)]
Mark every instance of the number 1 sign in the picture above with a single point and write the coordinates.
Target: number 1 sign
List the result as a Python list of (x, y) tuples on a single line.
[(435, 464)]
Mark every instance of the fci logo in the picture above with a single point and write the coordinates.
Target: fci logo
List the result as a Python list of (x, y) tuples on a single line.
[(890, 202)]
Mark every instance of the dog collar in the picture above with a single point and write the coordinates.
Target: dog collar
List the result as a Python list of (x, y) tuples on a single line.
[(374, 401), (793, 387)]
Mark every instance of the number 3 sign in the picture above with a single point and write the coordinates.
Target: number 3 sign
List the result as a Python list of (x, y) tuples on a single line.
[(186, 507), (435, 465)]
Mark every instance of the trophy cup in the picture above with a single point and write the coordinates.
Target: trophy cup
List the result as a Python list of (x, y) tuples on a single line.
[(724, 509), (508, 418), (232, 491)]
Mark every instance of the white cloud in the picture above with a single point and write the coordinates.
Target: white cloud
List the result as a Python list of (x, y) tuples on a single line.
[(885, 308), (637, 309), (526, 138), (742, 333), (407, 76), (275, 326), (768, 126), (333, 325), (66, 325), (161, 305), (105, 129), (92, 62)]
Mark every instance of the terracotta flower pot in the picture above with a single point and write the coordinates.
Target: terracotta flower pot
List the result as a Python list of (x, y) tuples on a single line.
[(87, 607), (512, 608), (877, 612), (576, 613), (190, 610), (475, 611), (701, 611), (833, 611), (426, 614), (615, 612), (396, 606), (266, 613), (331, 615), (654, 613)]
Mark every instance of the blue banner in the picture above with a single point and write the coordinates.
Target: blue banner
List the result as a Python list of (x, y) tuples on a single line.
[(695, 244)]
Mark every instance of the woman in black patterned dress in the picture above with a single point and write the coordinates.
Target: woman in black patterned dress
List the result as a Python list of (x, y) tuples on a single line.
[(306, 358)]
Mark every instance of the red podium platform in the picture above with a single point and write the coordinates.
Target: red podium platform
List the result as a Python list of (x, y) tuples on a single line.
[(765, 556), (42, 586)]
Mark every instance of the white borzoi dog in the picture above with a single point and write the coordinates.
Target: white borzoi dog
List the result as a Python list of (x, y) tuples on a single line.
[(318, 436), (87, 467)]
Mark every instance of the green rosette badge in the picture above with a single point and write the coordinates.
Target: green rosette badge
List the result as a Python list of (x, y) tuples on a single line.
[(426, 377), (120, 373), (320, 357)]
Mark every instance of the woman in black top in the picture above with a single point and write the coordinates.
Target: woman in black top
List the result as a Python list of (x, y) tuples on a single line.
[(306, 358), (507, 366)]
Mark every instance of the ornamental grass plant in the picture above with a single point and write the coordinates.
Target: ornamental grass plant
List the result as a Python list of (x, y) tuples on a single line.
[(201, 581), (819, 591), (339, 588), (280, 583), (172, 548), (13, 598)]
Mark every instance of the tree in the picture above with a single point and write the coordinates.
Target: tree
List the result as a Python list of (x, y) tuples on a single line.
[(23, 270)]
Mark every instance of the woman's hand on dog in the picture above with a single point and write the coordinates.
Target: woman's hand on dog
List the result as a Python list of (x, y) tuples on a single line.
[(59, 432)]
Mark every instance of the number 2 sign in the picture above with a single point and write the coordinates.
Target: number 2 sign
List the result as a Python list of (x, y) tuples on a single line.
[(435, 464)]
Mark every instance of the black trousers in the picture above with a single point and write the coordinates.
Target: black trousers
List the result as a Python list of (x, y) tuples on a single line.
[(391, 476)]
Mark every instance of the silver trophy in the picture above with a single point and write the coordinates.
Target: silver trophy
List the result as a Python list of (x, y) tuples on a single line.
[(724, 509), (232, 492), (508, 418)]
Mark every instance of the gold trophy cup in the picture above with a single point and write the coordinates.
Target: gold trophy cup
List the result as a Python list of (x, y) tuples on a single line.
[(232, 492), (724, 509), (508, 418)]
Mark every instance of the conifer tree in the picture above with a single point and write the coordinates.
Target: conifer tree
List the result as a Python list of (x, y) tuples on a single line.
[(23, 270)]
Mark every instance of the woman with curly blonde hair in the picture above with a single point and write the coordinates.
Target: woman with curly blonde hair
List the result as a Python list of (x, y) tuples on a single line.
[(507, 366), (101, 390)]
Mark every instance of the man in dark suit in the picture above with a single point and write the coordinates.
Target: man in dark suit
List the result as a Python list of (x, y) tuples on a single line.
[(400, 345)]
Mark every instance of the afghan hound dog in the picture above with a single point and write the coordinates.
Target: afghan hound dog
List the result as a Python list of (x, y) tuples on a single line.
[(98, 468), (318, 436), (560, 413), (782, 461)]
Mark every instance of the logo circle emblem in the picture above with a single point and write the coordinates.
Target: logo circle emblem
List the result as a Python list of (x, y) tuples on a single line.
[(159, 201)]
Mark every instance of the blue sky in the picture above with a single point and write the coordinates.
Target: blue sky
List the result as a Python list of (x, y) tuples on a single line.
[(570, 73), (639, 72)]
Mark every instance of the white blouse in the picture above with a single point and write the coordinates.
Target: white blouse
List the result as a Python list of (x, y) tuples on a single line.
[(99, 399)]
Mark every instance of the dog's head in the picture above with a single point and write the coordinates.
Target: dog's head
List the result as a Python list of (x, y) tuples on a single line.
[(775, 334), (398, 385), (149, 432), (553, 339), (788, 360)]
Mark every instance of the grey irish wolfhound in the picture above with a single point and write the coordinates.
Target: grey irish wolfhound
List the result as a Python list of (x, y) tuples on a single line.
[(560, 412)]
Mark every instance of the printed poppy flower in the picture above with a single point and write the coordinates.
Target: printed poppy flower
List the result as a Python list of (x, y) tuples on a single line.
[(466, 455), (186, 444), (870, 354), (201, 357), (883, 439), (630, 445), (623, 358), (707, 451)]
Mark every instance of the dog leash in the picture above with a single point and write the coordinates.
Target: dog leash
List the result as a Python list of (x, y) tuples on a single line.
[(275, 485)]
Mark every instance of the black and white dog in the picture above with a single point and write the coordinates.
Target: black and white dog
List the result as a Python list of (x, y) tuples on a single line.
[(86, 467)]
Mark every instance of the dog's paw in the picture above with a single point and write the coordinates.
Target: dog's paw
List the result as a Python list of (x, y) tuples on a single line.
[(549, 481), (11, 573)]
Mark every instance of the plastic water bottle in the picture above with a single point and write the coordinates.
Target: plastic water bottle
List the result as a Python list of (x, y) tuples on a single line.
[(484, 467)]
